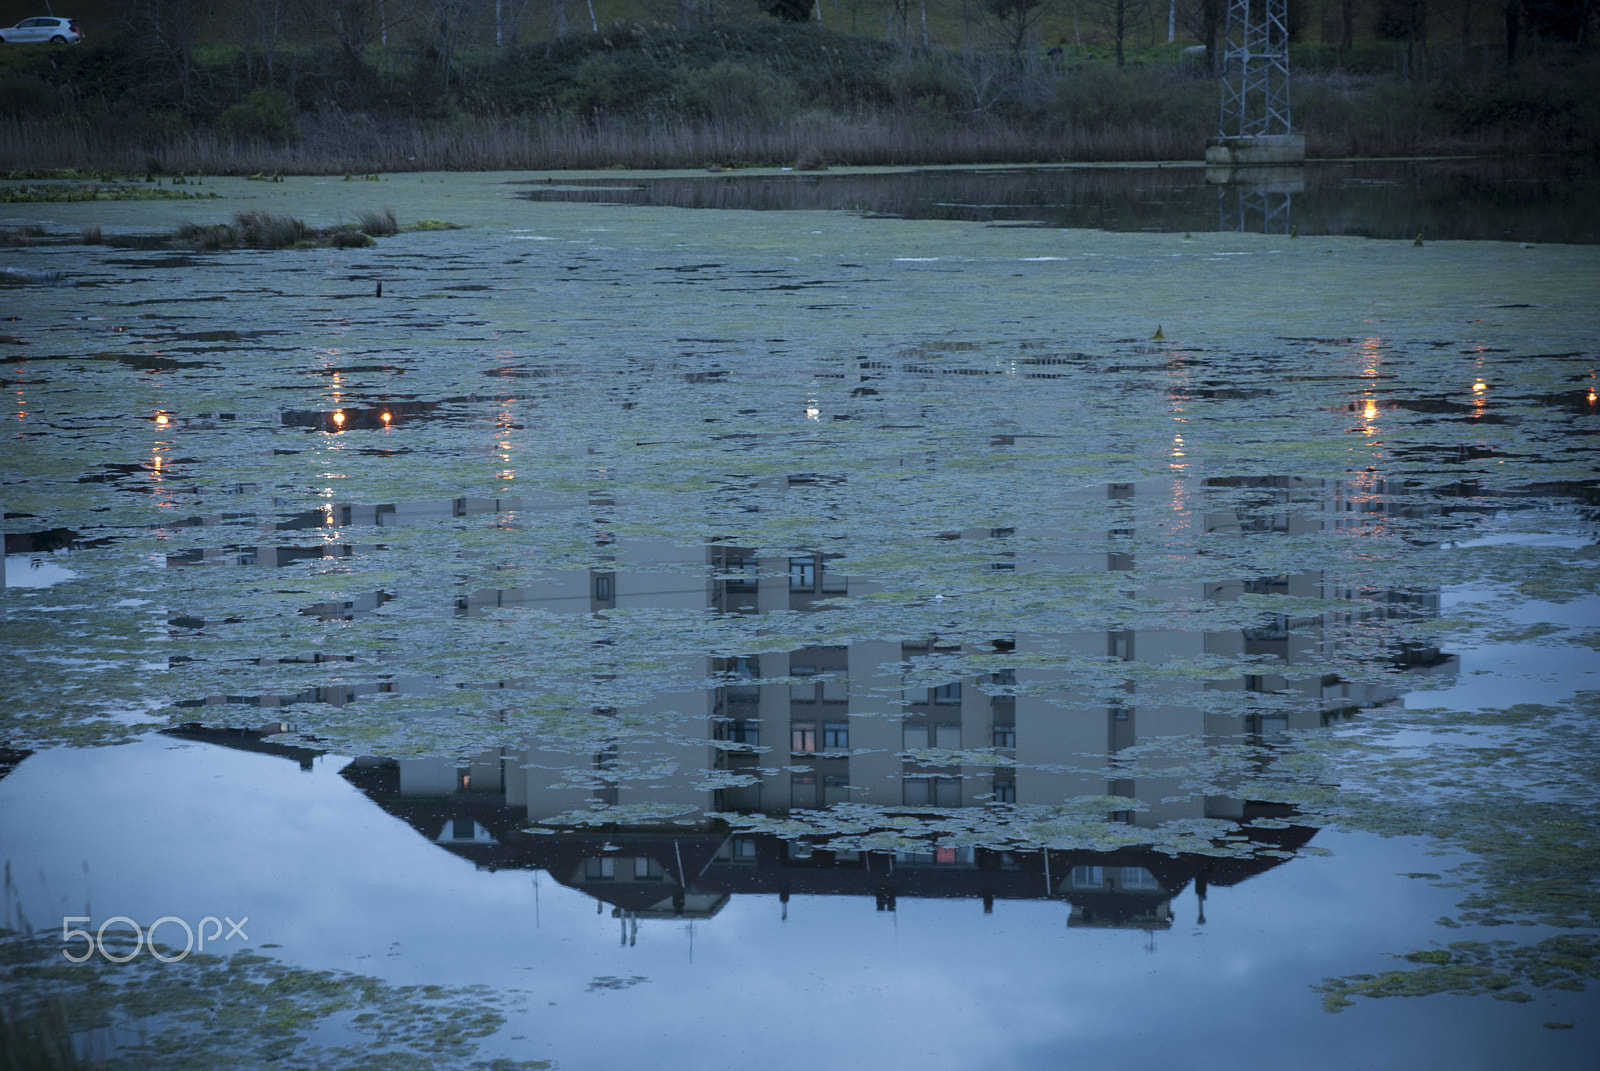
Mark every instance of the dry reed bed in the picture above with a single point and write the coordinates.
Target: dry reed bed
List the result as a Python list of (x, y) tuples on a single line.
[(332, 147)]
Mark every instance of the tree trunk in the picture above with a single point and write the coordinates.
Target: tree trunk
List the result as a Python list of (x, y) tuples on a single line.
[(1210, 26)]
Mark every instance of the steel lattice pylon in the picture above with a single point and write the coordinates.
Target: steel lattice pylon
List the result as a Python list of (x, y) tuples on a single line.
[(1239, 207), (1255, 70)]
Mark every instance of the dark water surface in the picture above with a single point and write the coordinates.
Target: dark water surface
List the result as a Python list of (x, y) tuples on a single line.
[(719, 639), (1496, 200)]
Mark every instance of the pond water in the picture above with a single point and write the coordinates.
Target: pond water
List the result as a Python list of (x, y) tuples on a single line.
[(707, 638), (1502, 200)]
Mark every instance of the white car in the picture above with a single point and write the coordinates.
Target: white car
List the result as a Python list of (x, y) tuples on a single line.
[(43, 30)]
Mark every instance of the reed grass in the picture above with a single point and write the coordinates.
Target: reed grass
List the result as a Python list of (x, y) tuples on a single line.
[(268, 230), (377, 222), (274, 230), (1340, 122), (757, 92), (39, 1039), (23, 235)]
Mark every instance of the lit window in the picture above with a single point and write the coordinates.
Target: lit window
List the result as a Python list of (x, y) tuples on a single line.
[(803, 737), (803, 574)]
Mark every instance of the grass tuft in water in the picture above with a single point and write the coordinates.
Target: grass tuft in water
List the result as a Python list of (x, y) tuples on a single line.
[(378, 223), (349, 238), (269, 230), (274, 230), (24, 235)]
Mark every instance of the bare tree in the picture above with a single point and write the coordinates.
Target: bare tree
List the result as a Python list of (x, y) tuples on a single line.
[(1016, 21), (163, 30), (1348, 9), (902, 18), (350, 22), (1118, 17), (261, 26)]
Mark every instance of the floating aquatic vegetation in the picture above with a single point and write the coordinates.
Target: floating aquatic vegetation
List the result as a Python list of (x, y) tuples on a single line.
[(58, 193), (244, 1010), (1511, 786), (982, 491)]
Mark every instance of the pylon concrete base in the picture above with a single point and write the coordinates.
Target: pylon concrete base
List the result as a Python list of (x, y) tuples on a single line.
[(1269, 150)]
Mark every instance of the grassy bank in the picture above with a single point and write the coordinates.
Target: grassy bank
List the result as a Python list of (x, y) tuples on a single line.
[(765, 94)]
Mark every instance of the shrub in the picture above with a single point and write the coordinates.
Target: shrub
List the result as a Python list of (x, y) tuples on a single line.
[(264, 115), (598, 85), (730, 90)]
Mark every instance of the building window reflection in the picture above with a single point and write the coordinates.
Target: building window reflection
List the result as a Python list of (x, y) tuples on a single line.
[(742, 731), (803, 790), (803, 737), (931, 791), (1137, 877)]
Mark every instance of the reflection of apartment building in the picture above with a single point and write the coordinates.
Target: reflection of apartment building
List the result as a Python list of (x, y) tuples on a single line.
[(863, 723), (663, 870), (653, 869), (871, 722)]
